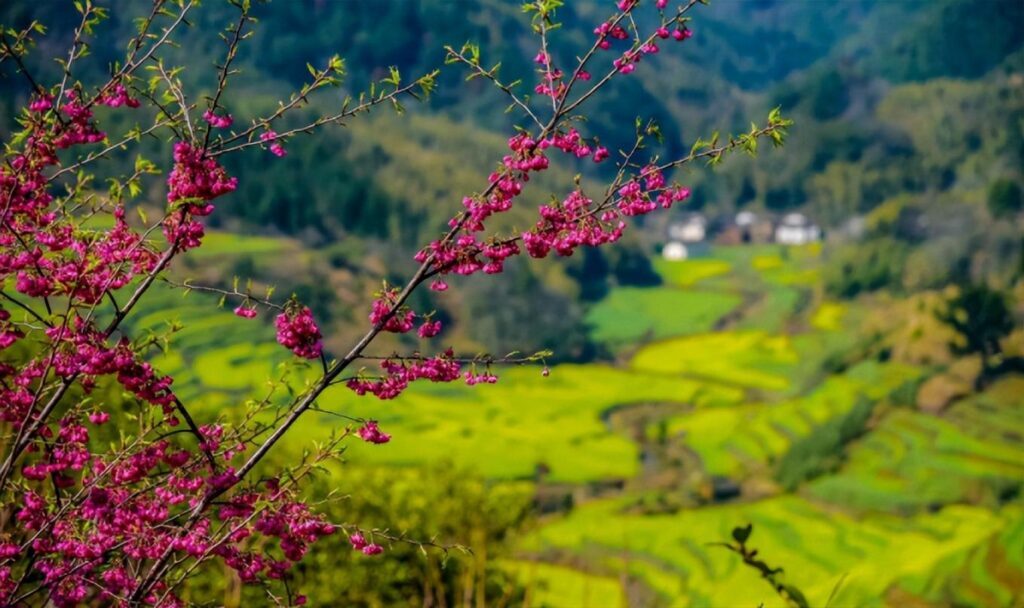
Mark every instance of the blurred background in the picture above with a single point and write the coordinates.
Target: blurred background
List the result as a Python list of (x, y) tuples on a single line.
[(825, 341)]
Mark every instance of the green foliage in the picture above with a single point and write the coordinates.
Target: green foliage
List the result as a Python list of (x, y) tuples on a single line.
[(440, 504), (634, 268), (591, 273), (821, 451), (987, 32), (1005, 197), (981, 317), (549, 319), (869, 266)]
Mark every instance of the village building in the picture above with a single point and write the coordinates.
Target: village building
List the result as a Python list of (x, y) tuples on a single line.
[(693, 229), (687, 238), (797, 229)]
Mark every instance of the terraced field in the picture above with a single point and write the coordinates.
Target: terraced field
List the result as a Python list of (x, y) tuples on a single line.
[(736, 359), (818, 546), (973, 453), (748, 438)]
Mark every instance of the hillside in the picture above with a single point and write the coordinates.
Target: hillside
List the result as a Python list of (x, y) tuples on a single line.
[(836, 395)]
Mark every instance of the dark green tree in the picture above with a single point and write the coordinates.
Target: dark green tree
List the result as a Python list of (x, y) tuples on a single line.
[(1005, 197), (981, 317)]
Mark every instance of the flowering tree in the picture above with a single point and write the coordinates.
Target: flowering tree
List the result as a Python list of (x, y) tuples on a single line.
[(133, 519)]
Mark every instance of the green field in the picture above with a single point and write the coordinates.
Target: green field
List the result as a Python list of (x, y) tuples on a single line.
[(734, 360), (509, 429), (633, 314)]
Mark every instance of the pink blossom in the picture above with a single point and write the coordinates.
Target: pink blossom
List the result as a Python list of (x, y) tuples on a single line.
[(41, 104), (99, 417), (682, 34), (398, 374), (298, 332), (218, 122), (245, 312), (429, 329), (401, 321), (373, 549), (275, 148), (119, 97), (358, 541), (371, 433)]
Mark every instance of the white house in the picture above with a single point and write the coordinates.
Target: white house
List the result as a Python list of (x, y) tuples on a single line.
[(675, 251), (691, 230), (796, 229), (745, 219)]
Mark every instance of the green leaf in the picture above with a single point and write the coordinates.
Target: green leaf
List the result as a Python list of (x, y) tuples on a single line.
[(796, 595), (741, 533)]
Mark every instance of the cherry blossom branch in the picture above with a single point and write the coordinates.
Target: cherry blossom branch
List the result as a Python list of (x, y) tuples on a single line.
[(133, 63), (222, 147), (473, 63), (25, 307), (133, 135), (10, 50), (608, 76), (245, 296), (222, 81), (308, 399), (484, 359)]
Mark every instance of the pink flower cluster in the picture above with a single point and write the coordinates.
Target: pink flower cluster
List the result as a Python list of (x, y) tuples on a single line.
[(611, 30), (359, 543), (467, 255), (403, 319), (297, 528), (119, 97), (112, 515), (429, 329), (69, 453), (371, 433), (218, 122), (487, 377), (564, 227), (399, 373), (275, 146), (195, 180), (246, 312), (551, 84), (73, 557), (79, 128), (298, 332), (88, 521), (607, 32)]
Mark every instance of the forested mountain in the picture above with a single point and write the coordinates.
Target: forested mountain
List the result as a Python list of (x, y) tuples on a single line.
[(918, 106)]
